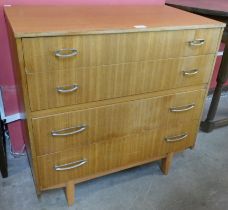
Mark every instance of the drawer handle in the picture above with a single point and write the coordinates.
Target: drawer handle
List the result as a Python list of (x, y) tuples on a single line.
[(197, 42), (69, 131), (71, 165), (68, 88), (182, 108), (190, 72), (66, 52), (176, 138)]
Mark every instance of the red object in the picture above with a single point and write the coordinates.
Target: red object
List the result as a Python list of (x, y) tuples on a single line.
[(16, 136), (217, 66)]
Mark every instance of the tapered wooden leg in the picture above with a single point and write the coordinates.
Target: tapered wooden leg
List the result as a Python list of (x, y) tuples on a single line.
[(38, 193), (70, 193), (166, 163), (192, 147)]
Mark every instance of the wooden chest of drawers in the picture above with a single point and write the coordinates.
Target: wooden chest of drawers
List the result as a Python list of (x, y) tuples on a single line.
[(108, 88)]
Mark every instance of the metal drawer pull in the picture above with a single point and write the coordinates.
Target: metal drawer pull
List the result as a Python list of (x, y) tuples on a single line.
[(190, 72), (66, 52), (68, 88), (176, 138), (182, 108), (71, 165), (69, 131), (197, 42)]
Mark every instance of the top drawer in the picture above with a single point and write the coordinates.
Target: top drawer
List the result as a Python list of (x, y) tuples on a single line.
[(46, 54)]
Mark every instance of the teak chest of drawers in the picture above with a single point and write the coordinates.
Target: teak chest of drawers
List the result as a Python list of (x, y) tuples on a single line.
[(107, 88)]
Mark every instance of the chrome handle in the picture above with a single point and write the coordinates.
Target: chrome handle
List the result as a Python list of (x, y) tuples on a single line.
[(190, 72), (66, 52), (69, 131), (71, 165), (176, 138), (68, 88), (182, 108), (197, 42)]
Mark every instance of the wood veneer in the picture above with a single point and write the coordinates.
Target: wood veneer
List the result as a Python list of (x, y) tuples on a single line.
[(112, 81), (35, 21), (116, 120), (118, 152), (97, 50), (128, 79)]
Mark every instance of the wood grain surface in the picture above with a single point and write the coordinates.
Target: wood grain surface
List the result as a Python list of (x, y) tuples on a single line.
[(32, 21), (127, 84), (106, 123), (108, 155), (96, 50), (77, 107), (112, 81)]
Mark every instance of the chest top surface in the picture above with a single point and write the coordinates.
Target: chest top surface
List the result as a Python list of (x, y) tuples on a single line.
[(33, 21)]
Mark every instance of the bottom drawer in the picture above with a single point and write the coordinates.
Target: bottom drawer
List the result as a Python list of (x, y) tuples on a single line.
[(73, 164)]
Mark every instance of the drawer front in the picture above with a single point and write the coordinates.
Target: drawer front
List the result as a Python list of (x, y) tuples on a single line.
[(105, 156), (61, 88), (58, 132), (44, 54)]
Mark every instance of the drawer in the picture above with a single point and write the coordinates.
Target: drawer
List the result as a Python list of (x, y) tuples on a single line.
[(62, 88), (44, 53), (102, 157), (73, 129)]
